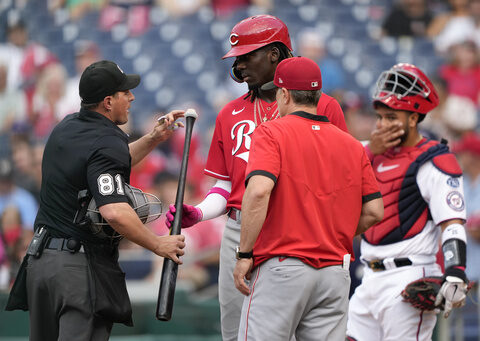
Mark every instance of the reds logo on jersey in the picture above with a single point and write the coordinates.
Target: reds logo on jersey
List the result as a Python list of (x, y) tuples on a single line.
[(240, 135)]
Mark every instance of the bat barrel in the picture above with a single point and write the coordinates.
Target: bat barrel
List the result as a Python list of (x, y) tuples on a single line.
[(166, 291)]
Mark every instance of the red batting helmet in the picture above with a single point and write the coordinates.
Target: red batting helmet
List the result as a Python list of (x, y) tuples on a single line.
[(255, 32), (405, 87)]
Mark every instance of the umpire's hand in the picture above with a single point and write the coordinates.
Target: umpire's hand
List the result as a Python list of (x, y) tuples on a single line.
[(171, 247), (165, 125), (241, 272)]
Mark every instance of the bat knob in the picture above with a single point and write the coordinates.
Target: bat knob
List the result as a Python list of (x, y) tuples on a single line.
[(191, 113)]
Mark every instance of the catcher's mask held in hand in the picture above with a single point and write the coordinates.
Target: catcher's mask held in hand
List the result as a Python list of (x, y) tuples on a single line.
[(147, 207)]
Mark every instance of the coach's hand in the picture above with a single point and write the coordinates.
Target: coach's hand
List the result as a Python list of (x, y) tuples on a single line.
[(166, 125), (454, 291), (171, 247), (190, 215), (385, 137), (241, 272)]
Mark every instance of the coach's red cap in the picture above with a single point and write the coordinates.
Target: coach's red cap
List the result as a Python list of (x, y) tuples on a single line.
[(296, 73), (469, 143)]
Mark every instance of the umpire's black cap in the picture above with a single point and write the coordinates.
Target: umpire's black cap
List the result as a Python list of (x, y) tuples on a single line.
[(102, 79)]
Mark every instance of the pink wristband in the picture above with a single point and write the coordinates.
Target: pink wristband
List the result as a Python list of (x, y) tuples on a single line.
[(220, 191)]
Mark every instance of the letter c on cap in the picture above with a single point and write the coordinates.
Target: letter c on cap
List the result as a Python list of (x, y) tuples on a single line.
[(233, 39)]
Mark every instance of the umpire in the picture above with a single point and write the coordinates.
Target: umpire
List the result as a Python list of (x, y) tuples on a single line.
[(74, 285)]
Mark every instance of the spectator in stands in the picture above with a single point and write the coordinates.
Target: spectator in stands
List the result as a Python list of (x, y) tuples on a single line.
[(200, 266), (15, 237), (475, 13), (407, 18), (76, 8), (12, 52), (86, 52), (49, 92), (136, 13), (12, 195), (12, 103), (25, 164), (221, 8), (462, 73), (312, 45), (225, 8), (468, 153), (460, 117), (25, 59), (181, 8), (434, 124), (453, 26)]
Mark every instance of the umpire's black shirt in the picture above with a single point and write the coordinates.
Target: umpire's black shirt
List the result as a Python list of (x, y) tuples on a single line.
[(85, 150)]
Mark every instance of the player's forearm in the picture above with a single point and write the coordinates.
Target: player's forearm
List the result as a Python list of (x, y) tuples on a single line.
[(454, 248), (365, 223), (254, 211), (215, 202), (372, 213)]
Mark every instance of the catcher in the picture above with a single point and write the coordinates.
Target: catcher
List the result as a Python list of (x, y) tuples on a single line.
[(422, 189)]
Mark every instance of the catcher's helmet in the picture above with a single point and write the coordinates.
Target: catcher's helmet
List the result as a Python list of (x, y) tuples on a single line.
[(147, 206), (405, 87), (255, 32)]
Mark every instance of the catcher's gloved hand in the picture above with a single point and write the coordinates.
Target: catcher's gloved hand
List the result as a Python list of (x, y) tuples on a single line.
[(422, 293), (190, 215), (453, 291), (430, 293)]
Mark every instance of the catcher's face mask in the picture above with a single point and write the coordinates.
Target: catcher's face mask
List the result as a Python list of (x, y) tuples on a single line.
[(147, 207)]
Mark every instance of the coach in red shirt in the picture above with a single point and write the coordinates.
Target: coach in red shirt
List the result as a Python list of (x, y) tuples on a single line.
[(310, 190)]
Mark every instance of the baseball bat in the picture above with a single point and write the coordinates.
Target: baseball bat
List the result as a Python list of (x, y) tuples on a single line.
[(168, 281)]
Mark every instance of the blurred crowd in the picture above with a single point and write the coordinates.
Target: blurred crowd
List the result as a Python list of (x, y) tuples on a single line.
[(37, 91)]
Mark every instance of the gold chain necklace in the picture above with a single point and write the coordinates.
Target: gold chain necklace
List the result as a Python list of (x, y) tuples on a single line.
[(258, 107)]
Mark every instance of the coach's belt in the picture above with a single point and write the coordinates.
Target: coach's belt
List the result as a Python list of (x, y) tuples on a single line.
[(65, 244), (380, 264), (235, 214)]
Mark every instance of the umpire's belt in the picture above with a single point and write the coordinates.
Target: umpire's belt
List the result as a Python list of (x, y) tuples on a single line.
[(388, 263), (65, 244), (235, 214)]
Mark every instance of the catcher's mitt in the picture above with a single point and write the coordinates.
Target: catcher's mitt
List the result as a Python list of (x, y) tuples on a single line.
[(422, 293)]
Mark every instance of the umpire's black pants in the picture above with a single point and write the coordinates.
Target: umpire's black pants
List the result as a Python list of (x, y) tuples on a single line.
[(59, 300)]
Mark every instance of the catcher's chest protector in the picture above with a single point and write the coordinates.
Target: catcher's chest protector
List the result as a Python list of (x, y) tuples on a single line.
[(406, 213)]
